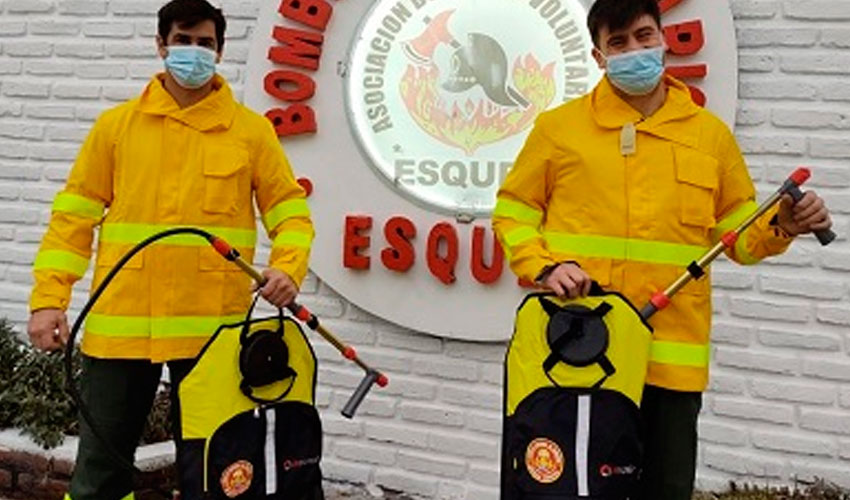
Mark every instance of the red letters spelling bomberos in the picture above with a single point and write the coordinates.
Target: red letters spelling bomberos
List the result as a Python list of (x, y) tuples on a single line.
[(298, 49)]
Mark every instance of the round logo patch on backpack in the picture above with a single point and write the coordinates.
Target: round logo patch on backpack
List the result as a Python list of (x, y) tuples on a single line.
[(236, 478), (544, 460)]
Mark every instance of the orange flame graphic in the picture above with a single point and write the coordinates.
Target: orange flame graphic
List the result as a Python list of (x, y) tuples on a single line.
[(478, 123)]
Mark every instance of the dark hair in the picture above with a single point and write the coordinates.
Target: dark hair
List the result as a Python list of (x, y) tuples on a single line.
[(189, 13), (619, 14)]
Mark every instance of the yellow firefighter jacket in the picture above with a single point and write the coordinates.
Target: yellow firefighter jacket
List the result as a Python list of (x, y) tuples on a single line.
[(146, 166), (634, 220)]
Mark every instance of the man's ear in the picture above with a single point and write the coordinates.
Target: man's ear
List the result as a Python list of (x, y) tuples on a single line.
[(600, 58), (161, 49)]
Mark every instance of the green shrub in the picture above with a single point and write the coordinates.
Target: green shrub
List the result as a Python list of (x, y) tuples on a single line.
[(32, 391), (33, 397), (820, 490), (158, 427)]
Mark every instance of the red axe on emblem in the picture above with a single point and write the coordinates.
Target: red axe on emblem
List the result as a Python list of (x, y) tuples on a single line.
[(482, 62), (421, 49)]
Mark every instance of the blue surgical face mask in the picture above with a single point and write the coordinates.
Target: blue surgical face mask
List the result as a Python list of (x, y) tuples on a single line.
[(637, 72), (191, 66)]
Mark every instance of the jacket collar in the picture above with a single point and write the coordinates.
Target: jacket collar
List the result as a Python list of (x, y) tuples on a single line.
[(215, 111), (611, 112)]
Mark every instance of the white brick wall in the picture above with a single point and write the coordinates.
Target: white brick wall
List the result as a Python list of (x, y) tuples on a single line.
[(779, 405)]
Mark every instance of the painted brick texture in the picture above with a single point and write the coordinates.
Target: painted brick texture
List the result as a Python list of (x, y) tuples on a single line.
[(779, 403)]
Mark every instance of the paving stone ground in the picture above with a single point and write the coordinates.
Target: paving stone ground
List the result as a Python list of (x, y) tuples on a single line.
[(337, 491)]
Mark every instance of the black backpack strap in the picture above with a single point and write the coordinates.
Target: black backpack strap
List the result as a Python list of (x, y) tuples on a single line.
[(576, 325), (608, 368)]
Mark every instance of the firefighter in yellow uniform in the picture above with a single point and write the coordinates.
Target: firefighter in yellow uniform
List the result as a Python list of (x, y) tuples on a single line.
[(184, 153), (627, 186)]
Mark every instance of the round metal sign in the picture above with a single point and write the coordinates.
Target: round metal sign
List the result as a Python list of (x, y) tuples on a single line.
[(415, 111)]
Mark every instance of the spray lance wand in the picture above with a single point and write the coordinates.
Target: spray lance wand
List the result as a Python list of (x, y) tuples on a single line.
[(696, 269), (371, 377)]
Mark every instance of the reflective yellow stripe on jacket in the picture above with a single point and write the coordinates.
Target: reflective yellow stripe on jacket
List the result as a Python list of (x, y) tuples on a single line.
[(517, 211), (285, 210), (520, 235), (78, 205), (678, 353), (292, 238), (144, 326), (656, 252), (61, 260)]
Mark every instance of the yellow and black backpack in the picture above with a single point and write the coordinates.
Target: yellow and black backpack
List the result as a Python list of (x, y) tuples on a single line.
[(574, 377), (249, 427)]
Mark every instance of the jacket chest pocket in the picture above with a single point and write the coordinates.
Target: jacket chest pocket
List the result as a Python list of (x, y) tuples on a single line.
[(222, 171), (696, 183)]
